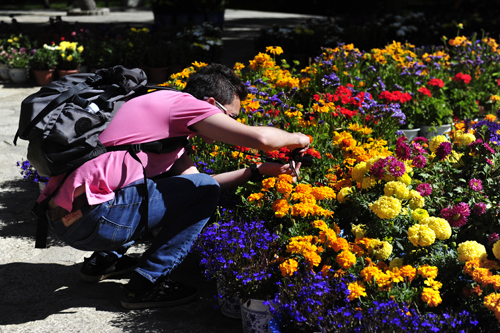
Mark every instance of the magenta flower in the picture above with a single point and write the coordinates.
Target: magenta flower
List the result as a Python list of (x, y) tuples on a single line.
[(419, 139), (424, 189), (419, 161), (458, 215), (443, 150), (479, 208), (417, 149), (403, 150), (397, 168), (493, 237), (490, 162), (378, 168), (476, 184)]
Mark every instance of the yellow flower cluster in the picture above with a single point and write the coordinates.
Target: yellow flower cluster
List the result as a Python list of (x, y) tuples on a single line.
[(463, 139), (496, 249), (357, 289), (421, 235), (459, 41), (436, 141), (381, 250), (471, 250), (396, 189), (386, 207), (384, 277), (395, 52), (492, 303), (440, 226)]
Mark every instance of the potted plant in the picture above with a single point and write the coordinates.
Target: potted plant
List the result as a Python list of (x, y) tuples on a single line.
[(43, 63), (4, 66), (19, 60), (70, 58)]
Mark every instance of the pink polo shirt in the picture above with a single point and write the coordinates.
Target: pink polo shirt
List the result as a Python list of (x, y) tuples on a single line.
[(150, 117)]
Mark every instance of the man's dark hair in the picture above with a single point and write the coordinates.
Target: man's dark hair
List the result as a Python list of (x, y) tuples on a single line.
[(217, 81)]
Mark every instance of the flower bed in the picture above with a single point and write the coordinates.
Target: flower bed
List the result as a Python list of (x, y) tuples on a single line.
[(380, 233)]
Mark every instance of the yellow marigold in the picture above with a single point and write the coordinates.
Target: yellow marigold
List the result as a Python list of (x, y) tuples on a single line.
[(320, 224), (342, 196), (274, 50), (408, 272), (340, 244), (359, 171), (358, 230), (492, 303), (398, 189), (301, 209), (303, 188), (255, 197), (288, 267), (496, 249), (280, 207), (238, 66), (463, 139), (325, 270), (386, 207), (431, 297), (405, 179), (328, 236), (440, 226), (368, 273), (421, 235), (396, 262), (305, 198), (381, 250), (416, 200), (436, 141), (420, 214), (427, 272), (268, 183), (368, 182), (490, 117), (346, 259), (323, 193), (470, 250), (436, 285), (284, 187), (356, 290), (285, 178)]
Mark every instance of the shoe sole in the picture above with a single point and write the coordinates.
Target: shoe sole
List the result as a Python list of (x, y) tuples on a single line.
[(146, 305), (97, 278)]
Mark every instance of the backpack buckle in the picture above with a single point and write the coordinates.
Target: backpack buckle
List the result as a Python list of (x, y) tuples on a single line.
[(136, 147)]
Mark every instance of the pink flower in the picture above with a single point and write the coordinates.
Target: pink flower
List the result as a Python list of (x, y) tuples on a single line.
[(397, 168), (476, 184), (419, 161), (443, 150), (424, 189), (419, 139), (456, 216), (403, 151), (493, 237), (479, 208)]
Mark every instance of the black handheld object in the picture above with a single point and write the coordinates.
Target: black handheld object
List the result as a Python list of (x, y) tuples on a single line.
[(307, 161)]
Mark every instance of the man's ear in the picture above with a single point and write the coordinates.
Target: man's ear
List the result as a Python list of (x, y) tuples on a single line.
[(210, 100)]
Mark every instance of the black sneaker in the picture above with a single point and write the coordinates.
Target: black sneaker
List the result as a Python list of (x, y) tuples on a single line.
[(163, 293), (97, 268)]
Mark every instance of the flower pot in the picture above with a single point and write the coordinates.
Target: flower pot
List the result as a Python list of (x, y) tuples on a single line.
[(429, 132), (19, 75), (255, 316), (41, 186), (64, 72), (4, 72), (44, 77), (229, 304), (410, 133), (157, 74)]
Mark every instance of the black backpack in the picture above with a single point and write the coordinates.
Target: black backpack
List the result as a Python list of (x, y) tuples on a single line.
[(63, 120)]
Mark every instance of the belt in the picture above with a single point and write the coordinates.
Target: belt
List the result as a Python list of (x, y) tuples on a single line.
[(58, 213)]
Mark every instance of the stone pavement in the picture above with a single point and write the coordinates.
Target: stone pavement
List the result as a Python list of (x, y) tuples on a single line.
[(40, 289)]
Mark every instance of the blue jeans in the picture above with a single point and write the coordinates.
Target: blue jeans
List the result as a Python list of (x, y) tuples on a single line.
[(179, 207)]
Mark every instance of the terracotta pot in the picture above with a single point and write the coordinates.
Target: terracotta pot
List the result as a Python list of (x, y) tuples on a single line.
[(64, 72), (44, 77), (157, 75)]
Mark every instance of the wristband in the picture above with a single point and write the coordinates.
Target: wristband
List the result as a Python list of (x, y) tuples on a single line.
[(256, 175)]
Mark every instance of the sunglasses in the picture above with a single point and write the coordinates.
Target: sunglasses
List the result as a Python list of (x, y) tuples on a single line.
[(223, 109)]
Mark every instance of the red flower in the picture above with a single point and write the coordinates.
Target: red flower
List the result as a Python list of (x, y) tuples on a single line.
[(436, 82), (424, 91), (498, 82), (460, 77)]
